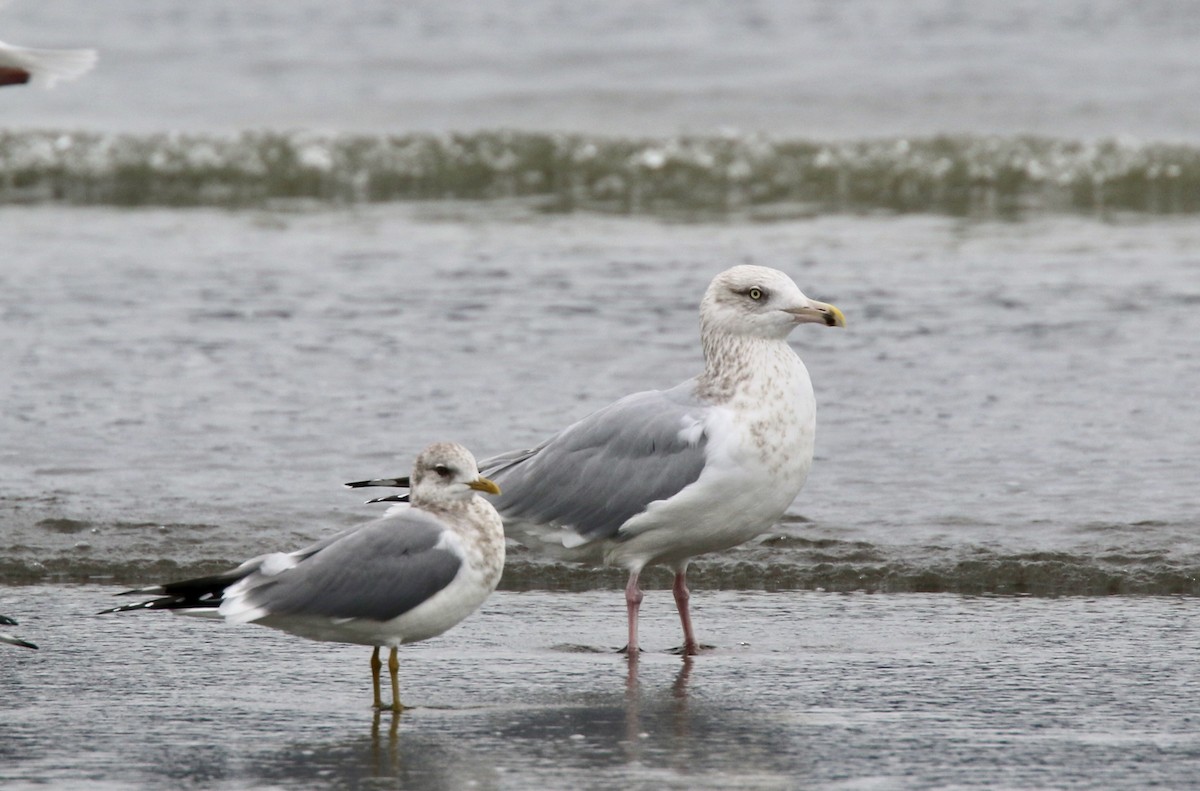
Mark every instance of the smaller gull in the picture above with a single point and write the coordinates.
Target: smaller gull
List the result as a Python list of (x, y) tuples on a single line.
[(662, 476), (19, 65), (407, 576), (12, 639)]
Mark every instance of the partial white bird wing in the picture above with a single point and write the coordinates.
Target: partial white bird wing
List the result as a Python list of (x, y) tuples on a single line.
[(43, 66)]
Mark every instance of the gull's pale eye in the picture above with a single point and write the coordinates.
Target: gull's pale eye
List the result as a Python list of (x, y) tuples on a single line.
[(755, 294)]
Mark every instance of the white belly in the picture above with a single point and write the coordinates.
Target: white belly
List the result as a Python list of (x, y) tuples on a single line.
[(758, 457), (430, 618)]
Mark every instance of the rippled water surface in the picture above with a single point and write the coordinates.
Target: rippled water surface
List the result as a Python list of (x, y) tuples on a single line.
[(803, 690), (1073, 68), (360, 228), (1009, 409)]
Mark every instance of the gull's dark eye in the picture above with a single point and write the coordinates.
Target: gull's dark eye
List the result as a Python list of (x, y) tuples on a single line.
[(442, 470), (755, 294)]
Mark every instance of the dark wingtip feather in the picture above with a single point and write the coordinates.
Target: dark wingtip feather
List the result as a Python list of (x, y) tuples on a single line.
[(198, 593), (391, 498), (400, 483), (153, 590), (153, 604), (203, 601)]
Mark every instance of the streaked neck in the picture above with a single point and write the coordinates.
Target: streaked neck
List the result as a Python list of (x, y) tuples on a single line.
[(731, 361)]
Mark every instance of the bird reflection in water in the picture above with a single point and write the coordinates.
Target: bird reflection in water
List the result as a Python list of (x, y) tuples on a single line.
[(678, 711), (385, 757)]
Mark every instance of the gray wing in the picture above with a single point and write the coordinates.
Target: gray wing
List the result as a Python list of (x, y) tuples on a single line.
[(377, 572), (597, 473)]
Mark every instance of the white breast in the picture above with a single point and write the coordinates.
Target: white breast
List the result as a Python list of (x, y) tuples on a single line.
[(759, 452)]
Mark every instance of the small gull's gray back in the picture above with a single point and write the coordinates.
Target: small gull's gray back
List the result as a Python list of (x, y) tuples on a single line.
[(377, 574)]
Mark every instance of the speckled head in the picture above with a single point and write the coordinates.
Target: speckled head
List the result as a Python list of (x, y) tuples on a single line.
[(446, 472), (759, 302)]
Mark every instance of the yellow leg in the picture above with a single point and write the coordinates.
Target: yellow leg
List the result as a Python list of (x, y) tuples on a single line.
[(394, 668), (376, 666)]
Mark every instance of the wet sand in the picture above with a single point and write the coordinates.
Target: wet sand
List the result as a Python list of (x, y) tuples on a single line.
[(803, 690)]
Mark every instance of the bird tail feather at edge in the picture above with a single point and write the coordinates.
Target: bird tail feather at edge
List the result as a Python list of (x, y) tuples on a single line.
[(200, 593), (48, 66)]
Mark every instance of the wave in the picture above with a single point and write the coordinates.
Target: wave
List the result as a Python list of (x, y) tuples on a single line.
[(874, 569), (752, 175)]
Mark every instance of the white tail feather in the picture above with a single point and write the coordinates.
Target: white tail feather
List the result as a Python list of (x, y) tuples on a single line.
[(48, 66)]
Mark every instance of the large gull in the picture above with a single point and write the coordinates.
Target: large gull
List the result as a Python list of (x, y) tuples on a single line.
[(665, 475), (407, 576)]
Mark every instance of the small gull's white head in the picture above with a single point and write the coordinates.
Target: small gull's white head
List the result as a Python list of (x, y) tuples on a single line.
[(759, 302), (446, 473)]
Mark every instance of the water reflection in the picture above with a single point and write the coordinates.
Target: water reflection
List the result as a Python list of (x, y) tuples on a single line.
[(647, 725), (671, 711), (391, 750), (385, 752)]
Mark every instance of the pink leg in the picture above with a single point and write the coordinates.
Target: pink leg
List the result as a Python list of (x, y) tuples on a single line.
[(633, 601), (682, 595)]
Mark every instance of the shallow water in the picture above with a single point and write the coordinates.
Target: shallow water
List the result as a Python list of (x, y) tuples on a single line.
[(1009, 409), (1073, 68), (803, 690)]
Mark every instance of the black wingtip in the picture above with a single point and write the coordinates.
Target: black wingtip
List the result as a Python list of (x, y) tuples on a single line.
[(153, 590), (146, 605), (165, 603), (398, 483), (391, 498)]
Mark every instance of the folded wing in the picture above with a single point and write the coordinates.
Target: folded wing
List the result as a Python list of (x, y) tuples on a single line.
[(594, 475)]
